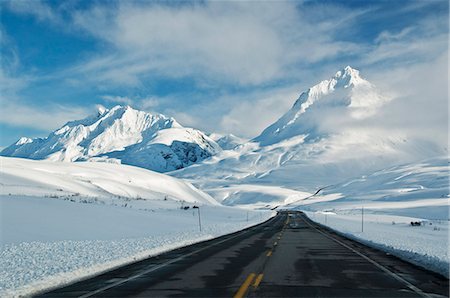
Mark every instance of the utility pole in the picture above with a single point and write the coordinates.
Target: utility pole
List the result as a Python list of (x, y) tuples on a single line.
[(362, 219), (199, 220)]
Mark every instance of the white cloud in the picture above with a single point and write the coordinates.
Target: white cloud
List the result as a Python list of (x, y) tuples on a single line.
[(237, 42), (425, 40), (117, 99), (46, 118), (421, 106), (185, 119), (36, 8), (250, 117), (10, 85), (146, 103), (243, 114), (149, 102)]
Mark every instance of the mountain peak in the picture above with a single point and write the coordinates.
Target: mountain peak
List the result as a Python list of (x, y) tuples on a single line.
[(347, 77), (24, 140), (345, 92), (350, 70)]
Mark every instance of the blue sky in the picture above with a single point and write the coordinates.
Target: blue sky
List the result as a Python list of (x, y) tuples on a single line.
[(230, 67)]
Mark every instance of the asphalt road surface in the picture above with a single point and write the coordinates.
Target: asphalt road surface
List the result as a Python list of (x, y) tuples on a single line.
[(287, 256)]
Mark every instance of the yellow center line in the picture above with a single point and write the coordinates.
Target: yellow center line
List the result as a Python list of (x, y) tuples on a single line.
[(258, 280), (243, 289), (269, 253)]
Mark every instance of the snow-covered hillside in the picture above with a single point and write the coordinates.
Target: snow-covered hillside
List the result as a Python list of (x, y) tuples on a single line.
[(100, 181), (65, 221), (122, 134)]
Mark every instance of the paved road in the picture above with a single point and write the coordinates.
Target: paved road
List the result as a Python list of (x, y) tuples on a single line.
[(287, 256)]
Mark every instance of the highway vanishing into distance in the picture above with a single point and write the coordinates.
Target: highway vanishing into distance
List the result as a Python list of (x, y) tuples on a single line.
[(287, 256)]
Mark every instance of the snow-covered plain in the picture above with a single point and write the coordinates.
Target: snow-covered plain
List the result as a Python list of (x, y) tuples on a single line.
[(60, 224)]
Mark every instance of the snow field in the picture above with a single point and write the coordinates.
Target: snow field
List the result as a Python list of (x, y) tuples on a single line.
[(49, 242)]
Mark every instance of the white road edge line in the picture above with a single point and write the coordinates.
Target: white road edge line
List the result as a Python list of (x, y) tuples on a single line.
[(90, 294), (392, 274)]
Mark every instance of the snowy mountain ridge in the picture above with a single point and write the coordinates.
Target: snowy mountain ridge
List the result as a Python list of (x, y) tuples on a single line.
[(159, 142)]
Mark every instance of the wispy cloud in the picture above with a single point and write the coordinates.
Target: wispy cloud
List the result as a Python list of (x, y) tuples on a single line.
[(243, 114), (414, 44), (37, 8), (10, 81), (235, 42), (44, 118), (143, 103), (117, 99)]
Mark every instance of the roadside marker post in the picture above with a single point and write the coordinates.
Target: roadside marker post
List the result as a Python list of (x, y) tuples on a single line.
[(362, 219), (199, 218)]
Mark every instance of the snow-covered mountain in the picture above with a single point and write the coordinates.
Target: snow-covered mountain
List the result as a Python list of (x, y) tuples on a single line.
[(345, 94), (151, 141), (329, 135)]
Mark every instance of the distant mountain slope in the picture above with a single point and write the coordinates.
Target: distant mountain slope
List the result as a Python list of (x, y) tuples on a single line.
[(151, 141)]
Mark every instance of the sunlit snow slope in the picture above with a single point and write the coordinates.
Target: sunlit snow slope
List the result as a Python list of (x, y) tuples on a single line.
[(103, 181)]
